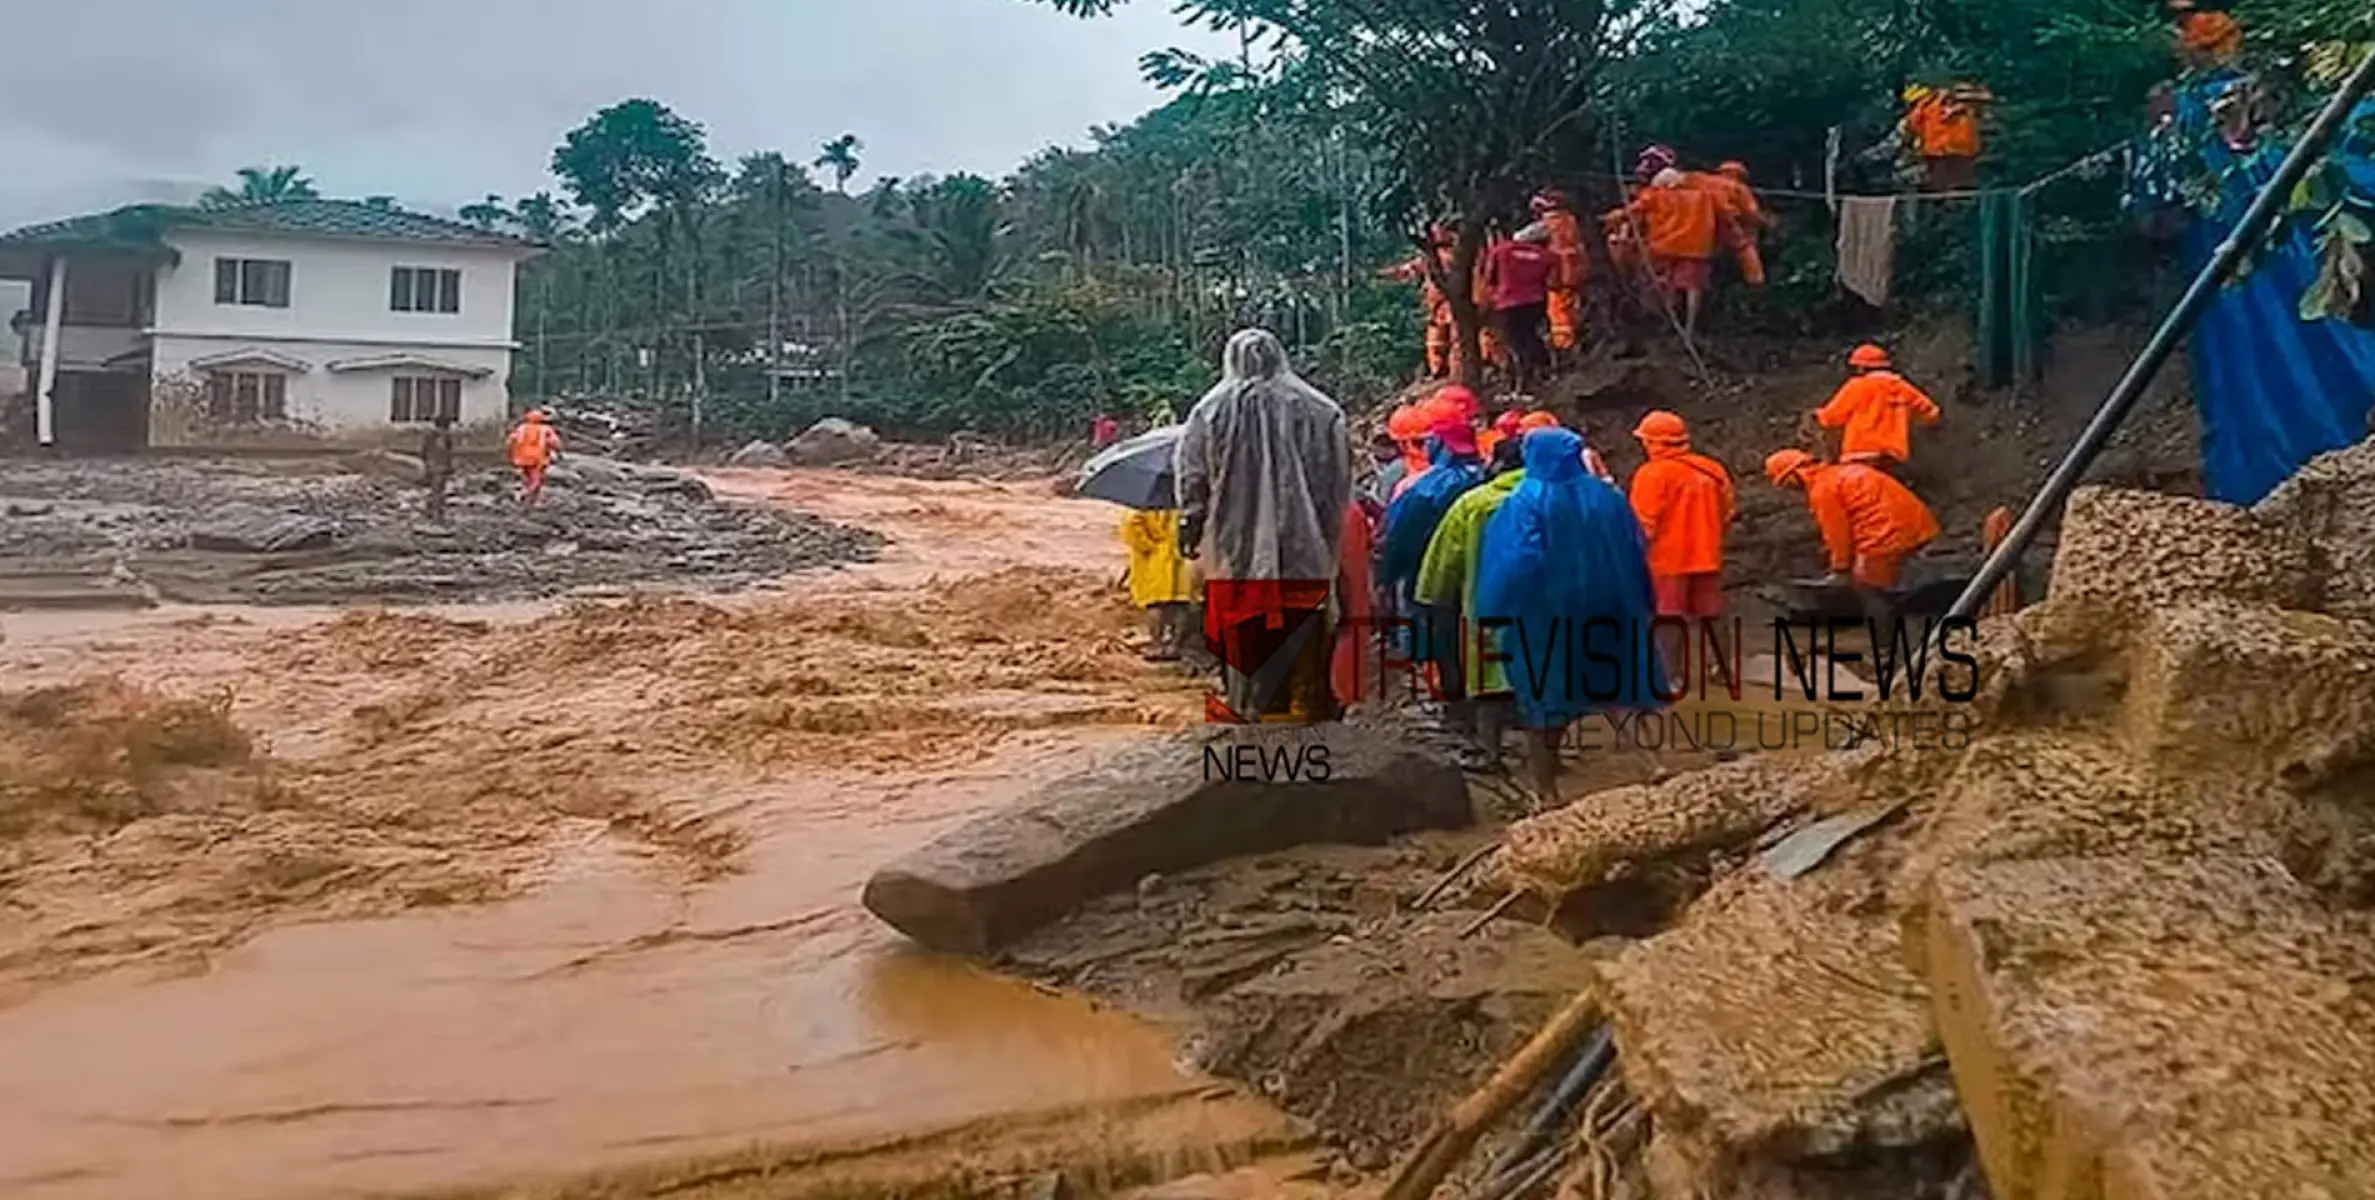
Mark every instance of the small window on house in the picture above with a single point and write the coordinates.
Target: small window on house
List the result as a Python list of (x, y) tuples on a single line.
[(254, 282), (247, 397), (418, 400), (424, 290)]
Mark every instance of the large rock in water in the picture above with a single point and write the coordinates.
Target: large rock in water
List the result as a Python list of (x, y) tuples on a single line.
[(1161, 807), (758, 454), (833, 440), (247, 529)]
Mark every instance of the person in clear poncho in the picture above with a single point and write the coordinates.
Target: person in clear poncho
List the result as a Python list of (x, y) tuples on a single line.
[(1265, 472)]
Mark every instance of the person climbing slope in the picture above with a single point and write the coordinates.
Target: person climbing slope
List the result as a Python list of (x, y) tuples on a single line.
[(1870, 523), (1572, 265), (1681, 226), (1158, 580), (1744, 218), (533, 447), (1410, 525), (1875, 410), (1685, 502), (1518, 274), (1564, 577), (1265, 472)]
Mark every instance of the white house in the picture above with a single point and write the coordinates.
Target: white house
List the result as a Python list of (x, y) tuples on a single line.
[(304, 321)]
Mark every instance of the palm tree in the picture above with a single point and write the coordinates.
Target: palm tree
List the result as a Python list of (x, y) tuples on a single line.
[(263, 185), (841, 158)]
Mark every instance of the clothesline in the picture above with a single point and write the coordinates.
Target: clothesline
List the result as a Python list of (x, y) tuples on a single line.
[(2027, 189)]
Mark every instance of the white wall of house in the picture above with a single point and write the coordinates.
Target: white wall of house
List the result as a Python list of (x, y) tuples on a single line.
[(339, 313), (322, 398)]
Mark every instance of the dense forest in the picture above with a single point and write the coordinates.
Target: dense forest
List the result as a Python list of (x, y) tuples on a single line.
[(751, 297)]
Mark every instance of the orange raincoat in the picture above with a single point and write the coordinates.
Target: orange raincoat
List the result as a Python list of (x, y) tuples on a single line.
[(1870, 523), (1566, 281), (1685, 502), (1876, 411), (1742, 218)]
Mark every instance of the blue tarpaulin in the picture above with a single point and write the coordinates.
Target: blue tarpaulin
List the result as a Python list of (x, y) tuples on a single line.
[(2273, 390)]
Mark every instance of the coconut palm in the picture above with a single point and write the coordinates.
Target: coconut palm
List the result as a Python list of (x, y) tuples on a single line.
[(841, 158), (263, 185)]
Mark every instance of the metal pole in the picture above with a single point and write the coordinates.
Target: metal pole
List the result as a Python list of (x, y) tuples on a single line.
[(2248, 232)]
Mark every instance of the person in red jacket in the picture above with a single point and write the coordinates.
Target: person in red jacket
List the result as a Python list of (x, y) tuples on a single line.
[(1518, 274), (1871, 524)]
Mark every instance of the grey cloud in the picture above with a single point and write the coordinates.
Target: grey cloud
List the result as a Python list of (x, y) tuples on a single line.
[(441, 101)]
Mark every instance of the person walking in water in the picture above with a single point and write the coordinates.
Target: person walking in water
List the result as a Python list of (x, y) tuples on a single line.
[(534, 445), (1265, 471)]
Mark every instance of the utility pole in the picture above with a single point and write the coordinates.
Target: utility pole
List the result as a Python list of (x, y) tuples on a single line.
[(775, 293)]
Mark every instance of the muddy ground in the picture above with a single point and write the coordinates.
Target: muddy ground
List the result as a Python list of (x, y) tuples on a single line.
[(356, 530)]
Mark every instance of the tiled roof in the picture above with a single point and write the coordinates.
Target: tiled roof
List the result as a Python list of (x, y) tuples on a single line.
[(144, 224)]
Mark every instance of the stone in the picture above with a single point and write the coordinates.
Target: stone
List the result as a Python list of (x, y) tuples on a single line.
[(759, 453), (833, 440), (1162, 806), (246, 529), (388, 464)]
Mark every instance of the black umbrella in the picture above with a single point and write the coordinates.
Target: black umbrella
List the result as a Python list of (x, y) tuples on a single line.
[(1136, 473)]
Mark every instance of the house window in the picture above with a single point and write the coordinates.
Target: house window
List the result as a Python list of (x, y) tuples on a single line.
[(419, 400), (424, 290), (247, 397), (255, 282)]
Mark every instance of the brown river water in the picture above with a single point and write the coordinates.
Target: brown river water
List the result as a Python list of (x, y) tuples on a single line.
[(603, 912)]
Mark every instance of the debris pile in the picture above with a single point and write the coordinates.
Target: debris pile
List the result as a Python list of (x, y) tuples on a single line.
[(328, 531), (2115, 945)]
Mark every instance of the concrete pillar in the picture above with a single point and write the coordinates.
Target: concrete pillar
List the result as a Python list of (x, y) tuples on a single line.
[(52, 322)]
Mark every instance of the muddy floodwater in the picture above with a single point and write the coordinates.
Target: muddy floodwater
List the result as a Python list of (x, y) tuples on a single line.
[(533, 894)]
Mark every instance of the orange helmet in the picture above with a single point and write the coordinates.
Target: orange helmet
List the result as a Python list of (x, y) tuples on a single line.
[(1785, 465), (536, 416), (1538, 419), (1662, 426), (1407, 424), (1868, 357), (1734, 168)]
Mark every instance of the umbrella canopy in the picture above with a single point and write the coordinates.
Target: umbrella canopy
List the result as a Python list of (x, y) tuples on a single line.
[(1136, 473)]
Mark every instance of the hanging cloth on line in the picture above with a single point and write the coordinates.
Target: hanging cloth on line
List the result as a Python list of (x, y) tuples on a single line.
[(1868, 246)]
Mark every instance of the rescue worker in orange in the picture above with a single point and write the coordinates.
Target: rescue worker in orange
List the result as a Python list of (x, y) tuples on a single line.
[(2206, 35), (1681, 226), (1441, 334), (533, 446), (1875, 410), (1566, 280), (1870, 523), (1744, 218), (1941, 126), (1686, 502)]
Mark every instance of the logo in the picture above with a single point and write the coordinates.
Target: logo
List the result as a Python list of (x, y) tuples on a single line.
[(1271, 637)]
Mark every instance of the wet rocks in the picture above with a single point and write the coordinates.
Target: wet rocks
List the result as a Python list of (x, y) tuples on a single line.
[(387, 464), (1163, 806), (247, 529), (759, 454), (831, 441)]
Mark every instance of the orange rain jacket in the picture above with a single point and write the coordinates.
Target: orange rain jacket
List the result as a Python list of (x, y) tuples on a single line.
[(1736, 200), (1679, 222), (1877, 410), (1566, 245), (1864, 513), (532, 444), (1943, 127), (1685, 502)]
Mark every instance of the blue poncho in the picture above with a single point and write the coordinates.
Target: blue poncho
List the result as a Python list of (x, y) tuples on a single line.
[(1564, 566), (1411, 520)]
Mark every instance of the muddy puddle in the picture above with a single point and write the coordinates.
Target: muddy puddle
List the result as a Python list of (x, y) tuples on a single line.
[(536, 895)]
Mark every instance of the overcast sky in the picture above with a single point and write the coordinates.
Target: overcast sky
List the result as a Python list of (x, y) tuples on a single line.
[(438, 102)]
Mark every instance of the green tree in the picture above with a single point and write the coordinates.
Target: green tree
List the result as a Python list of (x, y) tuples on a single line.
[(1465, 106), (263, 185), (630, 156), (840, 156), (490, 213)]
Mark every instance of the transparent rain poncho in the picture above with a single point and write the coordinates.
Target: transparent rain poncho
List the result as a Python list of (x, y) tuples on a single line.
[(1264, 469)]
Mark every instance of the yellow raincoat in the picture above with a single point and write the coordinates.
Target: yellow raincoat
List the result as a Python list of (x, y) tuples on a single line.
[(1158, 573)]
